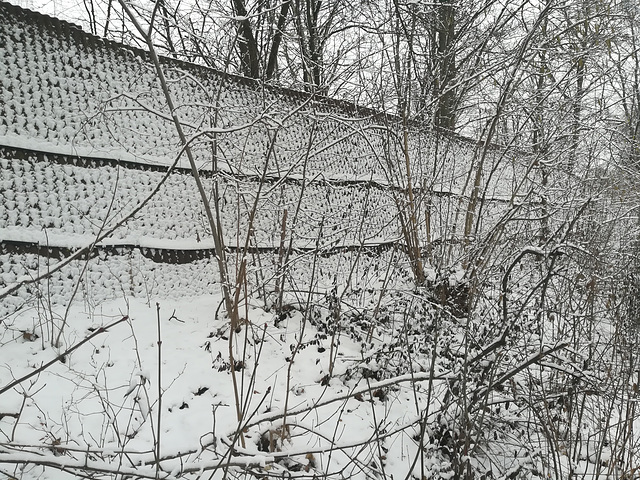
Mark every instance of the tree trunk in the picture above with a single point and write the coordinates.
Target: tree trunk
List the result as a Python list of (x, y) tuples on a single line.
[(445, 67), (249, 58)]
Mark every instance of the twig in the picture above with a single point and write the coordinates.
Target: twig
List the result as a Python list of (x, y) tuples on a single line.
[(62, 355), (159, 393), (514, 371), (416, 377), (89, 248)]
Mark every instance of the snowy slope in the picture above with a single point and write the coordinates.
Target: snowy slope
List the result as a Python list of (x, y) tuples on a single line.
[(343, 368)]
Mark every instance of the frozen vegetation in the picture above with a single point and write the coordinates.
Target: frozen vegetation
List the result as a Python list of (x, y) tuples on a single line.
[(324, 293)]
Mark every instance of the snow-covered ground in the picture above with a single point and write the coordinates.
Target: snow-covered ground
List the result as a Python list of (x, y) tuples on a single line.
[(106, 388), (520, 366), (160, 377)]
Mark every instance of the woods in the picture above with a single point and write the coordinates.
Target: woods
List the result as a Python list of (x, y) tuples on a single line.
[(320, 239)]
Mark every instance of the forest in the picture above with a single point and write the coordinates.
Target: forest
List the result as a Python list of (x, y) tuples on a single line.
[(380, 239)]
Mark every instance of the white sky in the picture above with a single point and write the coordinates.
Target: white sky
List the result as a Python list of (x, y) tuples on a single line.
[(69, 10)]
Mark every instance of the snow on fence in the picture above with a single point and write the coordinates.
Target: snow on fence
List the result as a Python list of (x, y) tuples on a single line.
[(85, 136)]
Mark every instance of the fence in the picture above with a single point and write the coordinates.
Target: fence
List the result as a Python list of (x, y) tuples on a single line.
[(86, 136)]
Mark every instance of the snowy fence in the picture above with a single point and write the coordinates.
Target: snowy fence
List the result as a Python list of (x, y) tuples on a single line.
[(86, 136)]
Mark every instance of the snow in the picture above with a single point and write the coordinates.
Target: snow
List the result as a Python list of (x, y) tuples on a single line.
[(97, 101), (82, 200), (113, 365), (337, 384)]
